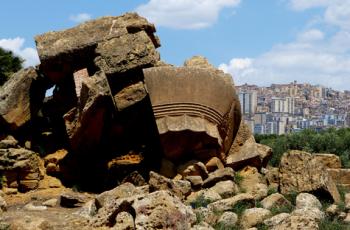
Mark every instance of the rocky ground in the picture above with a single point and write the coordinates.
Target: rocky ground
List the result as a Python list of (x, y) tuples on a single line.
[(200, 197)]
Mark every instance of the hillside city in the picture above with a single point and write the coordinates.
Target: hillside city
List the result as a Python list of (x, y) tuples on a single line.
[(286, 108)]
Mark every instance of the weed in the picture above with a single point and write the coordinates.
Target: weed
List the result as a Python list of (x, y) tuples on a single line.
[(332, 224), (281, 209), (240, 206), (221, 226), (262, 227), (271, 191), (201, 201), (238, 178), (291, 196)]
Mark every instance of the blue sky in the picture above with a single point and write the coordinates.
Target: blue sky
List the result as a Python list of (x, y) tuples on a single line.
[(257, 41)]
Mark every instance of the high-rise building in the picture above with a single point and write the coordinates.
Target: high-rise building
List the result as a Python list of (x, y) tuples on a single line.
[(283, 105), (248, 102)]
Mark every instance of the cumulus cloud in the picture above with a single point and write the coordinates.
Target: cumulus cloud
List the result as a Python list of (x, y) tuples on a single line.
[(29, 55), (304, 60), (184, 14), (315, 56), (79, 18)]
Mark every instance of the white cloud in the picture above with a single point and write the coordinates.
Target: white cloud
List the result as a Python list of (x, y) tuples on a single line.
[(184, 14), (302, 60), (311, 35), (306, 4), (79, 18), (29, 55)]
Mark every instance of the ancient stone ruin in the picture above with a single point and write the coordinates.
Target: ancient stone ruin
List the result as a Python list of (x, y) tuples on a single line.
[(103, 112), (116, 108)]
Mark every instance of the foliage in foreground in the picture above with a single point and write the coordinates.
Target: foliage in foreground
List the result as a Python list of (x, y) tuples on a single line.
[(336, 141), (9, 64)]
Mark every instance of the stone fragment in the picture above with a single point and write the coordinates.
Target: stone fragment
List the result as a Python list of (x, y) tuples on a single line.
[(332, 210), (300, 172), (3, 204), (180, 188), (130, 95), (51, 202), (52, 161), (205, 196), (272, 175), (121, 191), (228, 219), (347, 200), (113, 44), (254, 216), (340, 176), (214, 164), (196, 181), (189, 121), (228, 203), (49, 182), (71, 200), (30, 223), (124, 221), (328, 160), (225, 189), (205, 215), (218, 175), (20, 98), (202, 226), (193, 168), (88, 210), (276, 220), (31, 207), (275, 200), (306, 200), (8, 142), (161, 209)]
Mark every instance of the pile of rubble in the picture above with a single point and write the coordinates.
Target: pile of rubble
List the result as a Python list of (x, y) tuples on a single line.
[(167, 140)]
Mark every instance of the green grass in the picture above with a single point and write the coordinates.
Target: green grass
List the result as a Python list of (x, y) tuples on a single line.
[(201, 201), (291, 196), (262, 227), (240, 207), (281, 209), (238, 178), (221, 226), (333, 224), (271, 191)]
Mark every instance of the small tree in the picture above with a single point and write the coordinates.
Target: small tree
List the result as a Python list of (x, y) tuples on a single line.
[(9, 64)]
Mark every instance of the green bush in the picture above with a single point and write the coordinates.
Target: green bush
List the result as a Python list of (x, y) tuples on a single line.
[(327, 141), (240, 206), (332, 224), (201, 201)]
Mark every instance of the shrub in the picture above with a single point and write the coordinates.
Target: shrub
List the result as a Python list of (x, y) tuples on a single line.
[(201, 201), (240, 206), (332, 224)]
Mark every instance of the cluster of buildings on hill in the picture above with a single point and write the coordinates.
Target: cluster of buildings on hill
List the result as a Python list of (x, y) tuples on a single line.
[(285, 108)]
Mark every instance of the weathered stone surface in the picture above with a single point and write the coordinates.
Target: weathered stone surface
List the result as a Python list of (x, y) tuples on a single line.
[(300, 172), (20, 98), (272, 176), (193, 168), (202, 226), (340, 176), (347, 200), (328, 160), (306, 200), (22, 168), (52, 161), (31, 207), (246, 155), (296, 223), (275, 200), (228, 219), (214, 164), (83, 124), (30, 223), (253, 216), (180, 188), (3, 204), (190, 120), (162, 210), (253, 182), (124, 221), (49, 182), (71, 200), (205, 194), (227, 204), (205, 215), (196, 181), (51, 202), (225, 189), (276, 220), (8, 142), (121, 191), (88, 210), (218, 175), (116, 43), (130, 95)]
